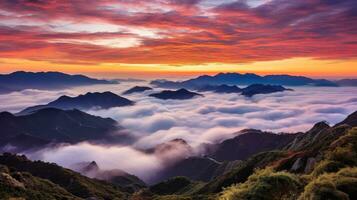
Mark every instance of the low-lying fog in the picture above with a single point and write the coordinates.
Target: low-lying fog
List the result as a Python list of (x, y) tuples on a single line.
[(207, 119)]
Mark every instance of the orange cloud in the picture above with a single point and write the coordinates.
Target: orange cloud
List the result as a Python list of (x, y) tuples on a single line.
[(170, 32)]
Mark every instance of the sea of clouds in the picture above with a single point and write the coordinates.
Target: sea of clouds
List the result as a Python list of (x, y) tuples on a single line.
[(207, 119)]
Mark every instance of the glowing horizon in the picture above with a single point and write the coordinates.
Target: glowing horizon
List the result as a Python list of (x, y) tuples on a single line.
[(115, 38)]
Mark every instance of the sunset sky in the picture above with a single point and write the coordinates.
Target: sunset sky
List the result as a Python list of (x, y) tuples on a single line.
[(180, 37)]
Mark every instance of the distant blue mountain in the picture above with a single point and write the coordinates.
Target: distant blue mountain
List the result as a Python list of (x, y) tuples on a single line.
[(262, 89), (243, 79), (103, 100), (248, 91), (180, 94), (4, 90), (347, 82), (220, 89), (44, 80), (137, 89), (55, 125)]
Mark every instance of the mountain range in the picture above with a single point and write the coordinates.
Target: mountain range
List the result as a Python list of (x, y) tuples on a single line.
[(324, 157), (248, 91), (243, 79), (318, 164), (52, 125), (87, 101), (220, 88), (21, 80), (347, 82)]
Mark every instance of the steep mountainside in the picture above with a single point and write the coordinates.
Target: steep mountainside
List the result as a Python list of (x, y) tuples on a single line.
[(248, 143), (118, 177), (55, 125), (318, 164), (39, 180)]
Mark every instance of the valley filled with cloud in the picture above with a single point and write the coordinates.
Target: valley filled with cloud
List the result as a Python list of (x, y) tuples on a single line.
[(202, 120)]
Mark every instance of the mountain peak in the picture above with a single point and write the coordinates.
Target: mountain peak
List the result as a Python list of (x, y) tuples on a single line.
[(137, 89), (6, 115), (180, 94), (321, 125), (92, 166)]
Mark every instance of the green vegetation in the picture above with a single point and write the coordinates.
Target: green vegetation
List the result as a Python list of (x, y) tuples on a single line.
[(171, 186), (241, 173), (25, 185), (341, 185), (321, 166), (334, 177), (39, 173), (265, 185)]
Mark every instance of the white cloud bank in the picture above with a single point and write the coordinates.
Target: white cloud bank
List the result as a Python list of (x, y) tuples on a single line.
[(211, 118)]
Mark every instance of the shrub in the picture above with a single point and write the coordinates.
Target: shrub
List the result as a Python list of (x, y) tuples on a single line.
[(340, 186), (265, 184), (170, 186), (327, 166)]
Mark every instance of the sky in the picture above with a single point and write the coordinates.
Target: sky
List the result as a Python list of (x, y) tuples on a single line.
[(111, 38)]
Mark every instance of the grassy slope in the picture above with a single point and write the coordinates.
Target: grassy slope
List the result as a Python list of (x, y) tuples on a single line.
[(71, 182), (272, 175)]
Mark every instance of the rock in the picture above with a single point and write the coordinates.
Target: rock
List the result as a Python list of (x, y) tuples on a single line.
[(298, 164), (310, 163)]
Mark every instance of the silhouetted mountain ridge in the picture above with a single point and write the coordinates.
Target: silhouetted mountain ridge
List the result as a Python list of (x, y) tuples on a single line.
[(220, 89), (55, 125), (249, 142), (137, 89), (243, 79), (319, 163), (21, 80), (117, 177), (347, 82), (87, 101), (254, 89), (180, 94)]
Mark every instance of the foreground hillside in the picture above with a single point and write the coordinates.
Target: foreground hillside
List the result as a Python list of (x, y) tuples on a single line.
[(318, 164), (20, 177)]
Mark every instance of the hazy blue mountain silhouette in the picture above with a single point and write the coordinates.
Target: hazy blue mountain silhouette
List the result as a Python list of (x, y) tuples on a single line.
[(87, 101), (180, 94), (248, 91), (220, 88), (243, 79), (137, 89), (249, 142), (254, 89), (45, 80), (347, 82), (55, 125)]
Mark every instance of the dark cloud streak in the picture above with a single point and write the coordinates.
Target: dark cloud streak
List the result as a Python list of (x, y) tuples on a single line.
[(230, 32)]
